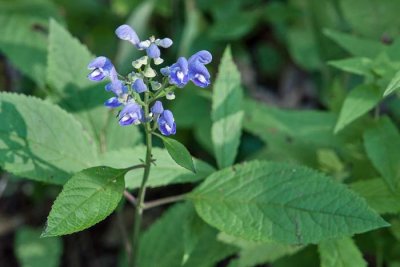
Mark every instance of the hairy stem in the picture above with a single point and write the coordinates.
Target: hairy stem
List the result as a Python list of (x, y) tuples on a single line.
[(142, 190)]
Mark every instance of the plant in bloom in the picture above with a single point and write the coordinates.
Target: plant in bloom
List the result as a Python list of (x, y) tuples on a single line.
[(139, 93)]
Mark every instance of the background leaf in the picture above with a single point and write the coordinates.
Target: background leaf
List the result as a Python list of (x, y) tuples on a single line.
[(40, 141), (262, 201), (358, 102), (382, 144), (227, 114), (33, 251), (165, 171), (340, 253), (86, 199)]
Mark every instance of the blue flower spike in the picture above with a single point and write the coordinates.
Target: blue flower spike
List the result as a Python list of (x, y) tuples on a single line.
[(166, 123), (140, 90)]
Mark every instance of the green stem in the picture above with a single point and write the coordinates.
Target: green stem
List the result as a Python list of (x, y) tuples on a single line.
[(142, 190)]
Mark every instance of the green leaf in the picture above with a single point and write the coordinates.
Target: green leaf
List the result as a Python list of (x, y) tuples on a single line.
[(66, 75), (394, 85), (253, 253), (357, 103), (340, 253), (377, 195), (33, 251), (358, 47), (382, 144), (356, 65), (86, 199), (234, 26), (178, 153), (162, 245), (227, 114), (40, 141), (262, 201), (165, 171), (23, 39)]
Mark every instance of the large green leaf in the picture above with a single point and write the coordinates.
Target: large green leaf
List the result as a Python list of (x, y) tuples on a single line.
[(252, 253), (33, 251), (340, 253), (66, 74), (382, 144), (162, 245), (356, 65), (357, 103), (378, 195), (165, 171), (227, 114), (264, 201), (86, 199), (40, 141)]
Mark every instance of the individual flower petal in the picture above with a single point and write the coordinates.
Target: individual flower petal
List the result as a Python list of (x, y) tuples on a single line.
[(149, 72), (199, 74), (125, 32), (158, 61), (179, 73), (165, 71), (101, 68), (144, 44), (157, 108), (153, 51), (166, 123), (139, 86), (131, 113), (165, 43), (113, 102), (117, 87), (203, 56)]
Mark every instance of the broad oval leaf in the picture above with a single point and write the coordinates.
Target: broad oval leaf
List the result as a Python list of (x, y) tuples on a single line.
[(86, 199), (178, 153), (264, 201), (40, 141), (164, 171), (227, 113)]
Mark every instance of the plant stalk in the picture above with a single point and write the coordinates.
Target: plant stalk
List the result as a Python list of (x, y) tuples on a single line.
[(142, 190)]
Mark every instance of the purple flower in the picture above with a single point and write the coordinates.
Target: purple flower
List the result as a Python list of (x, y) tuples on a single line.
[(117, 87), (101, 68), (125, 32), (166, 123), (153, 51), (131, 113), (178, 72), (199, 74), (139, 86), (157, 108), (113, 102), (204, 57), (165, 43)]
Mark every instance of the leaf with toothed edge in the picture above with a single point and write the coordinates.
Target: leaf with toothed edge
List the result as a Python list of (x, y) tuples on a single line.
[(86, 199), (263, 201)]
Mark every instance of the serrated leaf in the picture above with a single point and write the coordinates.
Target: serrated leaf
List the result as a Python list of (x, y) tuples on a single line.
[(227, 113), (394, 85), (382, 144), (40, 141), (356, 65), (357, 103), (378, 195), (340, 253), (252, 253), (86, 199), (165, 171), (178, 153), (33, 251), (67, 76), (263, 201), (162, 245), (359, 47)]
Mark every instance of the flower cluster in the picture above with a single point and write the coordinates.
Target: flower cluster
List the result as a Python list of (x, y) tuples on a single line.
[(139, 92)]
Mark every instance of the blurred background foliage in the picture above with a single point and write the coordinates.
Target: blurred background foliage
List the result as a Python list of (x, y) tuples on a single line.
[(289, 53)]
